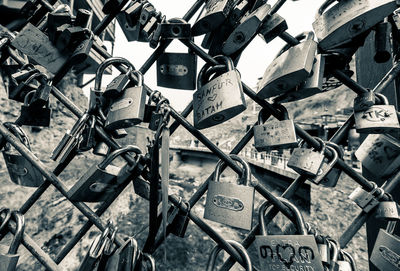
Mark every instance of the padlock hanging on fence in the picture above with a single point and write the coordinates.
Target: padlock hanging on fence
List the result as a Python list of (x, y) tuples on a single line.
[(211, 263)]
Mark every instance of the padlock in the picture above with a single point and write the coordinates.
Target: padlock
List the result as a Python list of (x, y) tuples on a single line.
[(92, 258), (142, 189), (9, 260), (367, 200), (212, 16), (230, 203), (377, 119), (24, 73), (326, 166), (83, 18), (88, 140), (387, 210), (33, 116), (177, 70), (155, 37), (364, 101), (290, 68), (323, 249), (238, 247), (348, 19), (54, 20), (129, 21), (127, 110), (117, 86), (157, 116), (273, 27), (219, 99), (332, 178), (175, 28), (111, 6), (146, 13), (275, 134), (246, 30), (379, 154), (21, 171), (334, 251), (70, 38), (150, 107), (101, 148), (307, 161), (149, 28), (41, 96), (382, 54), (180, 223), (101, 180), (124, 258), (386, 253), (287, 252), (18, 94), (109, 248), (346, 262)]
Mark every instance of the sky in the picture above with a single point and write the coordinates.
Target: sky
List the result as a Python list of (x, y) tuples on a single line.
[(255, 59)]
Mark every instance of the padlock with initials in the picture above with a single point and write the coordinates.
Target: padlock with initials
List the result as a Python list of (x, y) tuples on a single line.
[(325, 167), (307, 161), (348, 19), (21, 171), (290, 68), (211, 263), (386, 253), (377, 119), (276, 134), (100, 180), (332, 178), (9, 259), (219, 99), (34, 116), (231, 203), (292, 252), (387, 210)]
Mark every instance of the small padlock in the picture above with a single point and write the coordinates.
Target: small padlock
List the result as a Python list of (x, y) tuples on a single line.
[(290, 68), (364, 101), (9, 260), (56, 19), (150, 107), (21, 171), (181, 221), (367, 200), (117, 86), (92, 258), (41, 96), (175, 28), (70, 38), (109, 248), (231, 203), (332, 178), (387, 210), (33, 116), (326, 166), (88, 140), (24, 73), (220, 99), (157, 116), (386, 253), (276, 134), (81, 52), (18, 94), (146, 13), (127, 254), (211, 263), (348, 19), (101, 148), (307, 161), (100, 180), (273, 27), (334, 250), (377, 119), (83, 18), (346, 262), (292, 252), (111, 6), (127, 110), (129, 21)]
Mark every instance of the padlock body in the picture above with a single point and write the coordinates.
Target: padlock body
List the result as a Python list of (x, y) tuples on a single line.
[(275, 135), (387, 210), (219, 100), (363, 199), (273, 27), (377, 119), (288, 252), (348, 19), (142, 189), (305, 161), (344, 266), (386, 253), (332, 178), (288, 70), (35, 116), (324, 252), (8, 262), (230, 204), (128, 110), (177, 70), (21, 171), (131, 32)]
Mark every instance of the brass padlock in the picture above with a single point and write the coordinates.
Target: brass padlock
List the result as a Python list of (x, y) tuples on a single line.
[(290, 68), (325, 167), (219, 99), (377, 119), (275, 134), (238, 247), (332, 178), (231, 203), (348, 19), (21, 171), (101, 180), (9, 259), (307, 161)]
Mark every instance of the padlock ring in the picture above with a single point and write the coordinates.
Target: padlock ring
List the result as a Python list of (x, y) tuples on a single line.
[(151, 260), (19, 231), (339, 150), (154, 96), (382, 99), (335, 156), (283, 113), (237, 246), (118, 152), (102, 67), (324, 6), (246, 172), (7, 217), (263, 116), (335, 247), (306, 35)]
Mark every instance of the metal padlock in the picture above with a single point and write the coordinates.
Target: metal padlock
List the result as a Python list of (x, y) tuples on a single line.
[(324, 251), (24, 73), (81, 52), (275, 134), (33, 116), (387, 210), (377, 119), (41, 96), (9, 259), (56, 19), (212, 16), (386, 253), (157, 116), (88, 140), (307, 161), (150, 107), (21, 171), (92, 258), (292, 252), (180, 222), (220, 99), (146, 13), (117, 86), (175, 28), (290, 68), (346, 262), (83, 18), (380, 154), (149, 28), (273, 27), (326, 166), (129, 21), (366, 200), (364, 101), (332, 178), (101, 180), (127, 254), (230, 203), (18, 94), (211, 263), (70, 38), (348, 19)]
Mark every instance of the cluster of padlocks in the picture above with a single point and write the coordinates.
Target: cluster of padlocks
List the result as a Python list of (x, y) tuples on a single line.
[(40, 47)]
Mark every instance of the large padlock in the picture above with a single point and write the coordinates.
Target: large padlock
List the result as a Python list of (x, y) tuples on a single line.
[(230, 203), (290, 68), (326, 166), (127, 110), (33, 116), (386, 253), (275, 134), (101, 180), (379, 154), (348, 19), (220, 99), (307, 161), (124, 257), (287, 252), (21, 171), (41, 96), (377, 119), (211, 263), (9, 259), (332, 178)]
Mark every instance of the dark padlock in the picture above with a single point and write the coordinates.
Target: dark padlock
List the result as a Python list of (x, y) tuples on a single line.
[(142, 189), (238, 247), (88, 140), (273, 27), (155, 37), (117, 86), (332, 178), (146, 13), (326, 166), (175, 28), (21, 171), (123, 257), (92, 258), (41, 96), (149, 28), (231, 203), (382, 54), (180, 223), (129, 21), (219, 99), (150, 107), (83, 18), (18, 94), (54, 20), (100, 180), (34, 116), (367, 201), (81, 52), (71, 37), (157, 116), (9, 260)]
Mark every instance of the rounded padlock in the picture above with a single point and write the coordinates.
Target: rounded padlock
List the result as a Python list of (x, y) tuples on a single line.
[(331, 179), (236, 245), (326, 166)]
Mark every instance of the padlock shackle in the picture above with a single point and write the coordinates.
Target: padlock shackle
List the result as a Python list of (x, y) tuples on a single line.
[(263, 116), (150, 260), (350, 259), (307, 35), (334, 158), (116, 153), (36, 76), (335, 247), (323, 7), (17, 131), (239, 248), (19, 231), (28, 97), (140, 78), (102, 67), (207, 70), (382, 98), (261, 214), (339, 150), (6, 219), (151, 96), (283, 111), (246, 173)]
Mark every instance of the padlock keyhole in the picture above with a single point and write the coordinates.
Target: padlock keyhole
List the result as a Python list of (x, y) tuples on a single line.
[(176, 30)]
